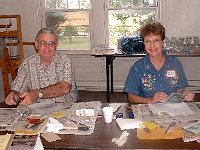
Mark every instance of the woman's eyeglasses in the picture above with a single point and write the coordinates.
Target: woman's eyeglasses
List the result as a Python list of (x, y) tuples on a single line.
[(154, 42)]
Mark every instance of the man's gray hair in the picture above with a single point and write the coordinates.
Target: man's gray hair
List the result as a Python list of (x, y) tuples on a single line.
[(47, 31)]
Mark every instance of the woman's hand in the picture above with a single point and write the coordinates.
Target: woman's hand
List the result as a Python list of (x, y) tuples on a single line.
[(189, 95), (159, 97)]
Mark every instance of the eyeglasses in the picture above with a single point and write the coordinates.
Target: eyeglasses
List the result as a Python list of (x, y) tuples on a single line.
[(154, 42), (45, 43)]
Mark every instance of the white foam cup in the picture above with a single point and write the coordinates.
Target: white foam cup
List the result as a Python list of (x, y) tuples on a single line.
[(108, 114)]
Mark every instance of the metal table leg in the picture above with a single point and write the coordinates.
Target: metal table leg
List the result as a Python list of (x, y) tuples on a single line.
[(109, 69)]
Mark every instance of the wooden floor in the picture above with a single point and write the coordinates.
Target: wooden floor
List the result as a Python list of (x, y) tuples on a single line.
[(118, 97)]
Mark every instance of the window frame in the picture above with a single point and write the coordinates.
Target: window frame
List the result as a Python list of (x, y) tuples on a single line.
[(98, 22)]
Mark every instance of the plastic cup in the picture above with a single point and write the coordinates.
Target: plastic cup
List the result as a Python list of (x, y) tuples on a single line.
[(108, 114)]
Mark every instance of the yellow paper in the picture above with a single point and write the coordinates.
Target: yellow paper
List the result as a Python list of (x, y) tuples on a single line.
[(159, 133), (58, 114), (26, 132), (5, 141), (150, 125)]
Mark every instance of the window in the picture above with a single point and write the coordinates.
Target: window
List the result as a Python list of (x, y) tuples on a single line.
[(85, 24), (70, 19), (126, 17)]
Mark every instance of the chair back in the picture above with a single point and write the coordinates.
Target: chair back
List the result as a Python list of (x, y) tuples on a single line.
[(7, 68)]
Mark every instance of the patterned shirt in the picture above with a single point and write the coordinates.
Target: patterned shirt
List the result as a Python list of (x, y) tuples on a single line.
[(144, 80), (32, 74)]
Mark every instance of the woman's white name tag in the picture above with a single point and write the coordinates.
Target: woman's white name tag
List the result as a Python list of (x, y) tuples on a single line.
[(171, 73)]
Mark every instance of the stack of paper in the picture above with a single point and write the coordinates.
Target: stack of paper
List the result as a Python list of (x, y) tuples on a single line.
[(128, 123)]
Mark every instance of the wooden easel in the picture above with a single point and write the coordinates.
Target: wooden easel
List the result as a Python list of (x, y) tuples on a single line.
[(16, 33), (9, 31)]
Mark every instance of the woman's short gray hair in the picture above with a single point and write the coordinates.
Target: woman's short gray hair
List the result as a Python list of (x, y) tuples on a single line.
[(47, 31)]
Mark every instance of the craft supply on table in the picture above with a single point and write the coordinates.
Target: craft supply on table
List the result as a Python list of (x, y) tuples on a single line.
[(119, 107), (171, 125), (119, 115), (131, 115), (122, 139), (85, 112), (125, 124), (82, 128), (50, 137)]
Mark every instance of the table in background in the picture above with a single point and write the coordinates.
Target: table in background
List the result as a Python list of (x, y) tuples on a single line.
[(110, 55)]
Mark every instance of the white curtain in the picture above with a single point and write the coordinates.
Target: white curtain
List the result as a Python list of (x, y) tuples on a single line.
[(99, 23), (163, 16), (40, 13)]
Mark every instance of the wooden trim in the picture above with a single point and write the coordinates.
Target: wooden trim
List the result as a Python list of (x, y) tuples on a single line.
[(9, 34), (5, 25), (16, 43), (28, 43), (9, 16)]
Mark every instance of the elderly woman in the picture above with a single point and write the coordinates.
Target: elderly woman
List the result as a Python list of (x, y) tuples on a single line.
[(154, 77), (45, 75)]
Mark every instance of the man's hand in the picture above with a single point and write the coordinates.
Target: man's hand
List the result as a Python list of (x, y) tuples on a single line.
[(13, 98), (28, 97)]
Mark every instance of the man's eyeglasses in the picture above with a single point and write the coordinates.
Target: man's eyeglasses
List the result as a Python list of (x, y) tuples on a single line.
[(45, 43), (154, 42)]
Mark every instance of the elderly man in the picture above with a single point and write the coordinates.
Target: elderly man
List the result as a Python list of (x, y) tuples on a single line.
[(46, 74)]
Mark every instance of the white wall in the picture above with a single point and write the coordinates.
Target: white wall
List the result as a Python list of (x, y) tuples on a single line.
[(181, 18)]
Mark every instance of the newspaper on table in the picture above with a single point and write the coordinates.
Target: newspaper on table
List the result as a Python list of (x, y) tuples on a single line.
[(8, 117), (47, 107), (72, 118), (145, 113), (67, 114), (194, 128), (173, 109), (189, 122), (176, 98)]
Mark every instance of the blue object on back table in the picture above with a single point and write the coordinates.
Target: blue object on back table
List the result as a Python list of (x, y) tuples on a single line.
[(131, 45)]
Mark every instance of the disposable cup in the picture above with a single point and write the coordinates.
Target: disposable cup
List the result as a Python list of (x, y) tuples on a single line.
[(108, 114)]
